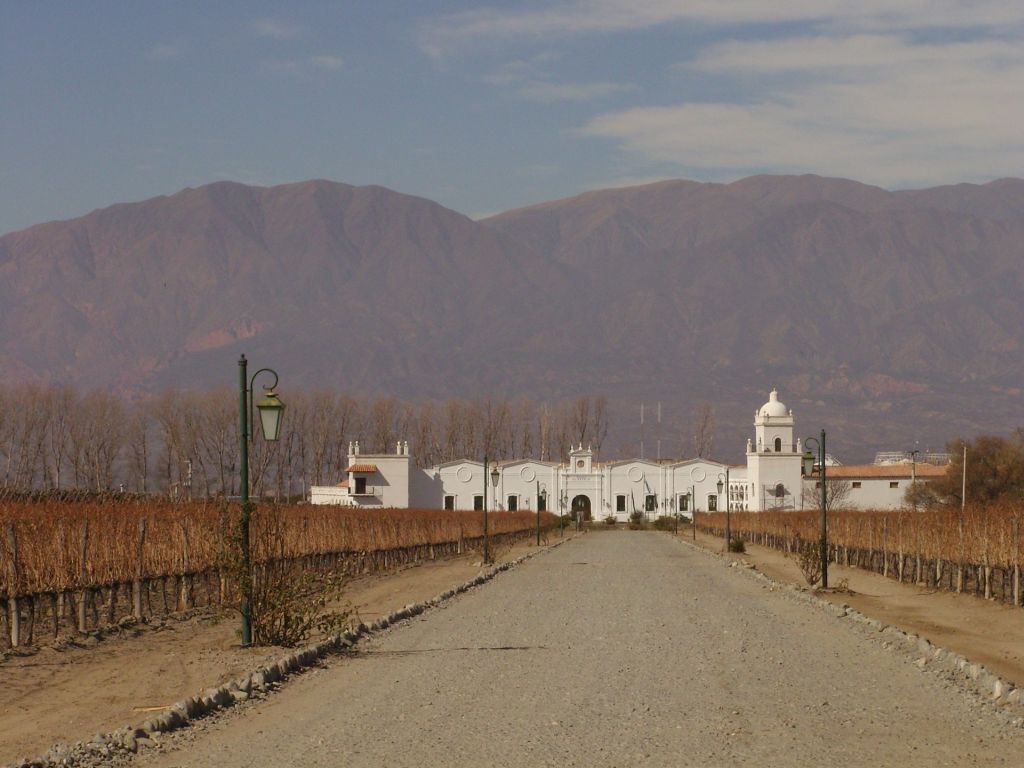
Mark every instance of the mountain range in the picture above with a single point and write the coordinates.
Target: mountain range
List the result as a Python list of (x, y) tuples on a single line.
[(889, 318)]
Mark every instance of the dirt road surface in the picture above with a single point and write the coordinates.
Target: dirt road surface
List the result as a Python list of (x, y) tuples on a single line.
[(616, 649), (70, 693), (984, 631)]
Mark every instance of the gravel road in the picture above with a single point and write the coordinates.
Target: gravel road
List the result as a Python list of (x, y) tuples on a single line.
[(616, 649)]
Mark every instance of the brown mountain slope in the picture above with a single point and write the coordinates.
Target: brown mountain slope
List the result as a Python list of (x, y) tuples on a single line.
[(889, 317), (354, 286), (901, 310)]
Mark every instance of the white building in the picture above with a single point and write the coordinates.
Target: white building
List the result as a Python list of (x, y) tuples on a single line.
[(870, 486), (769, 480)]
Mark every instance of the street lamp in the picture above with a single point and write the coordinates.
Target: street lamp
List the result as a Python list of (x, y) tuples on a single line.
[(495, 476), (913, 477), (271, 408), (728, 526), (542, 501), (808, 462)]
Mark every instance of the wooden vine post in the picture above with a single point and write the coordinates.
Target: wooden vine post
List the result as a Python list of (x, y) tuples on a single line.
[(14, 615), (1016, 560), (186, 578), (137, 581), (83, 571)]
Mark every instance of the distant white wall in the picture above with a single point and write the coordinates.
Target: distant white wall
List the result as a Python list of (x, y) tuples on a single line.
[(864, 493), (330, 494)]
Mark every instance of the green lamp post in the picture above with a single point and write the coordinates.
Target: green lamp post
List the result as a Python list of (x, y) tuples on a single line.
[(728, 527), (542, 501), (270, 409), (808, 462)]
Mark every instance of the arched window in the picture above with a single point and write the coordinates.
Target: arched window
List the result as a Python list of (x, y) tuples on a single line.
[(780, 491), (778, 445)]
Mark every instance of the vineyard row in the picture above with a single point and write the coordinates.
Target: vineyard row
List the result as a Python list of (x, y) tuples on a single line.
[(976, 550), (80, 567)]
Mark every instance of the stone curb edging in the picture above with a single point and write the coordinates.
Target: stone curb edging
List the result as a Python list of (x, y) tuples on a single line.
[(126, 741), (970, 676)]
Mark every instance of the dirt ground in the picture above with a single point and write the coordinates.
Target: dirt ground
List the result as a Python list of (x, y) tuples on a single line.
[(982, 630), (69, 694)]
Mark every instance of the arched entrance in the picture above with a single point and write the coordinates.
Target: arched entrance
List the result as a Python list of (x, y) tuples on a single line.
[(581, 507)]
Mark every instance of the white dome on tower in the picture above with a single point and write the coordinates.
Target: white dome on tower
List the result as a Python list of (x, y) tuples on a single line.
[(774, 407)]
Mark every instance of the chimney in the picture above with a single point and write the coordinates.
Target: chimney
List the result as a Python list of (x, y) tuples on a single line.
[(357, 448), (406, 447)]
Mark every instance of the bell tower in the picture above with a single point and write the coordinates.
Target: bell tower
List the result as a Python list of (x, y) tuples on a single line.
[(773, 427), (581, 461), (773, 458)]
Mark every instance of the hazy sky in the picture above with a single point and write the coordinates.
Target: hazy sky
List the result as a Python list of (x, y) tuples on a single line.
[(485, 107)]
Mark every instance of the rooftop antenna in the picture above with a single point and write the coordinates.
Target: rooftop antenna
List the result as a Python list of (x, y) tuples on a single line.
[(658, 431), (641, 430)]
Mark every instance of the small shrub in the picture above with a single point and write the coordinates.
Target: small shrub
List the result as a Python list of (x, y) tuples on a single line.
[(290, 603), (636, 521), (665, 523), (737, 545), (808, 558), (610, 520)]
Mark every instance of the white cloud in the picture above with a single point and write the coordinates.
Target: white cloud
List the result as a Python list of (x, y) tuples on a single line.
[(327, 61), (446, 34), (855, 54), (553, 92), (530, 78), (521, 70), (876, 108), (275, 28), (896, 92)]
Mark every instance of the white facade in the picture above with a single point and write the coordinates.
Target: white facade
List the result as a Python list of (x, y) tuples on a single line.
[(870, 486), (374, 480), (769, 480)]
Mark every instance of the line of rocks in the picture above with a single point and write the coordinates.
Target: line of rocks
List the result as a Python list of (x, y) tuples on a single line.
[(119, 745), (971, 677)]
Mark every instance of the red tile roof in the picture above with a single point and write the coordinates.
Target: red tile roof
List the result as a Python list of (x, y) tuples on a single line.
[(884, 471), (362, 469)]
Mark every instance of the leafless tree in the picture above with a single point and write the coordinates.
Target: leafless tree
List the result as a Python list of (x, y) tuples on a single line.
[(544, 431), (138, 438), (580, 416), (218, 438), (426, 446), (524, 420), (96, 439), (837, 492), (23, 437), (703, 430), (383, 413), (599, 422), (61, 402), (54, 437)]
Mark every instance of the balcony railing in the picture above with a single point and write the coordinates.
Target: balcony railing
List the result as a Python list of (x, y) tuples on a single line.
[(369, 490)]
